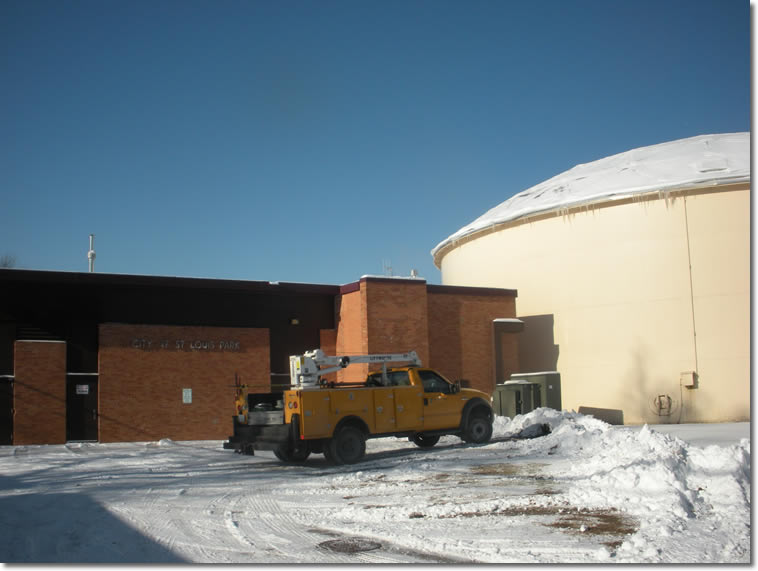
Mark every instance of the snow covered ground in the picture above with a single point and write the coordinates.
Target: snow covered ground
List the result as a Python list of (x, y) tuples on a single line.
[(587, 492)]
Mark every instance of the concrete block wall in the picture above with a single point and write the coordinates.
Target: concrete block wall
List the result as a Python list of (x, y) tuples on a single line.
[(39, 392)]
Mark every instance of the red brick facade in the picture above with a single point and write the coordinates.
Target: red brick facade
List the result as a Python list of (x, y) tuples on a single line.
[(397, 316), (147, 371), (451, 329), (352, 331), (161, 381), (39, 392), (462, 337)]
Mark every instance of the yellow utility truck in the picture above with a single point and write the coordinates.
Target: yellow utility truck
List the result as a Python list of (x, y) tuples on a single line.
[(316, 416)]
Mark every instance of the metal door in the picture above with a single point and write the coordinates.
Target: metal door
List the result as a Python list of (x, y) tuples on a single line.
[(81, 407), (6, 410)]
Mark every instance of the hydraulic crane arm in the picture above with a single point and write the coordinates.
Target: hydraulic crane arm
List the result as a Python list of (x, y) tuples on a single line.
[(306, 369)]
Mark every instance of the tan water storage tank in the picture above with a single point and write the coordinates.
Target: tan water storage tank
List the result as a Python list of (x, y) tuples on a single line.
[(633, 277)]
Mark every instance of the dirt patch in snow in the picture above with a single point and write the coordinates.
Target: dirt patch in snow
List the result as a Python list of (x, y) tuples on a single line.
[(611, 523), (532, 469), (606, 523)]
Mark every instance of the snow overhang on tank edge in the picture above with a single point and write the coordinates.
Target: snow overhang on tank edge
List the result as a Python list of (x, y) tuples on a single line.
[(680, 151)]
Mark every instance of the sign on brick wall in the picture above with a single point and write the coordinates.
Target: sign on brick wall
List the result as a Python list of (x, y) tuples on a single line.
[(146, 344)]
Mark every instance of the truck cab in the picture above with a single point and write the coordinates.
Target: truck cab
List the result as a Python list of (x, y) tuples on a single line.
[(441, 402)]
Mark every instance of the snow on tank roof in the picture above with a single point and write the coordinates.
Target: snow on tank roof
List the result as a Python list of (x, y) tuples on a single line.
[(705, 160)]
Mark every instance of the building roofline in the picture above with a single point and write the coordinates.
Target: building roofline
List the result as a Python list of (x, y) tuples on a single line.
[(101, 279), (470, 290)]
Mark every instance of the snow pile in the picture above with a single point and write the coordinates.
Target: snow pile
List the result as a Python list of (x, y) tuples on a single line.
[(706, 160), (658, 478)]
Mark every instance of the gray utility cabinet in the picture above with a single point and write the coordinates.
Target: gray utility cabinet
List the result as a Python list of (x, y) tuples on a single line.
[(525, 392)]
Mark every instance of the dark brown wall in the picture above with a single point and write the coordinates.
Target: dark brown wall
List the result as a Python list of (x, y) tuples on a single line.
[(39, 392), (70, 306)]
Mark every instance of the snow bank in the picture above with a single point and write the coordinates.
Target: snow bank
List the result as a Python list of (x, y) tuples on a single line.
[(658, 478)]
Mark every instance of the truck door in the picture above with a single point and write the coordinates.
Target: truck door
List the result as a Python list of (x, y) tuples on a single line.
[(409, 414), (442, 408)]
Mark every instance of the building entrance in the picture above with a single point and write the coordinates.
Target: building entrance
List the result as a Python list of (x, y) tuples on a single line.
[(81, 407)]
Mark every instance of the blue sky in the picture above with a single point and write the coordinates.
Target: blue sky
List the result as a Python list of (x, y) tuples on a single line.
[(311, 141)]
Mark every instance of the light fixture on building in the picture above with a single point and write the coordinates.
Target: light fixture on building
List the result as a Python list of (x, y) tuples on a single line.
[(294, 321)]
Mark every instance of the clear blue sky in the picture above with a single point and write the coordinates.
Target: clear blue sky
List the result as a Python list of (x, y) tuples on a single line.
[(311, 140)]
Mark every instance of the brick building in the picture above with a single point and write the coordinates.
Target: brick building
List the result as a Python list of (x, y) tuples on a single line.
[(115, 358)]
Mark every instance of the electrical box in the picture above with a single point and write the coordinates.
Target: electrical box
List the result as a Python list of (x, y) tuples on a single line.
[(549, 383), (515, 397), (688, 379)]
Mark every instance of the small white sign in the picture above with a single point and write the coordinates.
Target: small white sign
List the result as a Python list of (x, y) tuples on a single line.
[(82, 389), (187, 396)]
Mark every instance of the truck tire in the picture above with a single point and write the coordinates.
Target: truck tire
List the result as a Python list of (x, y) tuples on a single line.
[(424, 440), (328, 453), (286, 454), (347, 447), (478, 429)]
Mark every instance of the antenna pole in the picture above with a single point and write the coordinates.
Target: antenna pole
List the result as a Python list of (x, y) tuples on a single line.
[(91, 253)]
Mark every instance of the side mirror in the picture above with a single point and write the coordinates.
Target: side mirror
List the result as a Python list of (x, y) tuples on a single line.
[(456, 387)]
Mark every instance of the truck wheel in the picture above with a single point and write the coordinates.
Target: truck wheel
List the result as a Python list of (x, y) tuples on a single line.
[(328, 453), (479, 429), (347, 447), (424, 440), (287, 454)]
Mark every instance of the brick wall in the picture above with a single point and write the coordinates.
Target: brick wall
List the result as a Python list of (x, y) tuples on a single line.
[(329, 346), (39, 392), (144, 371), (450, 328), (351, 332), (396, 312), (461, 335)]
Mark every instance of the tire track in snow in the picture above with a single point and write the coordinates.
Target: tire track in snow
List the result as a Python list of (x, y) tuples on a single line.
[(288, 536), (205, 534)]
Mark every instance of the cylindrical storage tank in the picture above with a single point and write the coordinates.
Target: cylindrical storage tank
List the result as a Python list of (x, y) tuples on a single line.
[(633, 279)]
